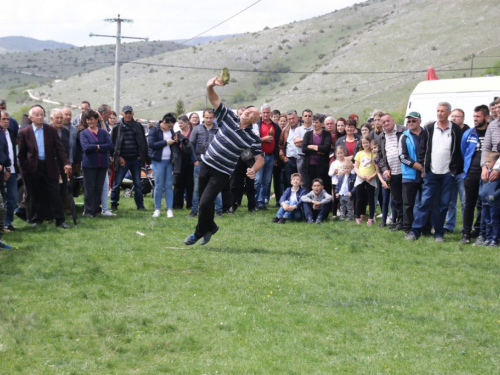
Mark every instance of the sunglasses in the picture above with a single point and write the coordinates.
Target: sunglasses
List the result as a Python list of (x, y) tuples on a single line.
[(411, 121)]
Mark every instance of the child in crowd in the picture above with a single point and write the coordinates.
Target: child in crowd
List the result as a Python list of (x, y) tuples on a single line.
[(345, 191), (489, 192), (317, 203), (366, 171), (336, 170), (291, 203)]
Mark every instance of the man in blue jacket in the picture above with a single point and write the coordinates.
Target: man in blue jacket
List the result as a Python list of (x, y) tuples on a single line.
[(472, 146)]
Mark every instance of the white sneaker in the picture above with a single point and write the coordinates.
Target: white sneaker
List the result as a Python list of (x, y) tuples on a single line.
[(170, 214), (107, 213), (157, 213)]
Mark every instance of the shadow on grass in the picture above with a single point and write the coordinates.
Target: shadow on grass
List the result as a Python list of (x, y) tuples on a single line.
[(258, 251)]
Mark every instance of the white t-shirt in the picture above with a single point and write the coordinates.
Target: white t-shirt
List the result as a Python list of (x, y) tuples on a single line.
[(441, 150), (165, 155)]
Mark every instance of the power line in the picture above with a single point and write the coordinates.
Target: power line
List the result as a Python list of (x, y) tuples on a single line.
[(220, 23)]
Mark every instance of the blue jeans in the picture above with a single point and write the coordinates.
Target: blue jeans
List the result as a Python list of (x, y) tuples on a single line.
[(293, 215), (164, 180), (104, 195), (457, 191), (10, 198), (491, 216), (436, 186), (135, 169), (322, 213), (196, 196), (263, 181)]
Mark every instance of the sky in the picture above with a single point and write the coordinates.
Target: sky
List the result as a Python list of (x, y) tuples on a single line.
[(72, 21)]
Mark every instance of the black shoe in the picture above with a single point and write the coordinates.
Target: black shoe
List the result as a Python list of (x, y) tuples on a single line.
[(114, 207), (192, 214), (207, 237), (20, 213), (63, 225), (382, 225), (275, 219), (262, 208), (219, 214), (10, 228), (282, 220), (397, 227), (231, 210), (141, 208), (253, 209), (474, 234), (465, 239)]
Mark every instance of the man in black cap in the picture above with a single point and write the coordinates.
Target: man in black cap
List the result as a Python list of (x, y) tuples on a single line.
[(130, 154)]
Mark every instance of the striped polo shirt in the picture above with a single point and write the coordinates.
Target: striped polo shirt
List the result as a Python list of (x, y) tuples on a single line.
[(229, 142)]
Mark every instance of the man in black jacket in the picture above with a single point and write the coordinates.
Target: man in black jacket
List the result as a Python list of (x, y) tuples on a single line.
[(441, 158), (130, 153)]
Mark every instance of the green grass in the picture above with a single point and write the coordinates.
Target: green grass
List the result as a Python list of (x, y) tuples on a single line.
[(260, 298)]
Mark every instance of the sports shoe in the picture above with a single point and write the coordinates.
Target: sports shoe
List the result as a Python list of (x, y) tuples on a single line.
[(479, 241), (107, 213), (191, 239), (141, 208), (170, 214), (310, 220), (439, 239), (275, 219), (207, 237), (465, 239), (411, 237), (358, 221), (319, 220), (114, 207), (157, 213), (192, 214), (493, 244), (3, 245), (370, 222)]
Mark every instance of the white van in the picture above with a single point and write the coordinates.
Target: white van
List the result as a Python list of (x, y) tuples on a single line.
[(463, 93)]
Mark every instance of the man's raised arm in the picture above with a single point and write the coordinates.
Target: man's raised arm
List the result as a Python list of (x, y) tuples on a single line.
[(212, 95)]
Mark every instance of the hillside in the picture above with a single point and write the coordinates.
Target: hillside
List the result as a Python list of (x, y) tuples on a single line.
[(204, 39), (367, 56), (43, 66), (21, 43)]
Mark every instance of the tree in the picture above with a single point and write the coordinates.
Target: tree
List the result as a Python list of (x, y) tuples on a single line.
[(179, 108), (495, 70)]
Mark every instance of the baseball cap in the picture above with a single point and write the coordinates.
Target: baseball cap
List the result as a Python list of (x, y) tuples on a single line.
[(414, 115), (127, 108)]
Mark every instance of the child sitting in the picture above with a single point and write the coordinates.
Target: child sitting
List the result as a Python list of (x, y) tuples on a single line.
[(489, 192), (345, 191), (291, 203), (316, 203)]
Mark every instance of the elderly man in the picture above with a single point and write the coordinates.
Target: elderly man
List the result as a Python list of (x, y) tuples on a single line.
[(390, 165), (39, 149), (269, 133), (441, 158), (83, 107), (235, 136), (287, 148), (57, 119), (9, 178), (13, 124), (72, 131), (105, 111), (130, 154)]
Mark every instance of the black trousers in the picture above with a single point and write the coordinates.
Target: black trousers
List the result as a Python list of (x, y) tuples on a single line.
[(277, 172), (397, 196), (290, 168), (365, 193), (184, 182), (93, 183), (210, 184), (318, 171), (239, 184), (471, 186), (37, 185), (410, 191)]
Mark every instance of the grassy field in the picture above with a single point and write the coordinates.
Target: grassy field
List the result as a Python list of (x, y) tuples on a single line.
[(260, 298)]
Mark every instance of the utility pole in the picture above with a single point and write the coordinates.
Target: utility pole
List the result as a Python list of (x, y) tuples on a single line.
[(118, 37)]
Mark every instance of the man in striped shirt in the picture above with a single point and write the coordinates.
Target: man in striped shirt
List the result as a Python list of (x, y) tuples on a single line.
[(235, 135)]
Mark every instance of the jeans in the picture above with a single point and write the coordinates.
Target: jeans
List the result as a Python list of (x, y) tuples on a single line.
[(104, 195), (321, 214), (293, 215), (10, 198), (263, 181), (164, 180), (135, 169), (458, 190), (386, 199), (436, 186), (196, 196), (491, 216)]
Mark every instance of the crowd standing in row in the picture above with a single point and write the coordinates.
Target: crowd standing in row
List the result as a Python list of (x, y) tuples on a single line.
[(418, 171)]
